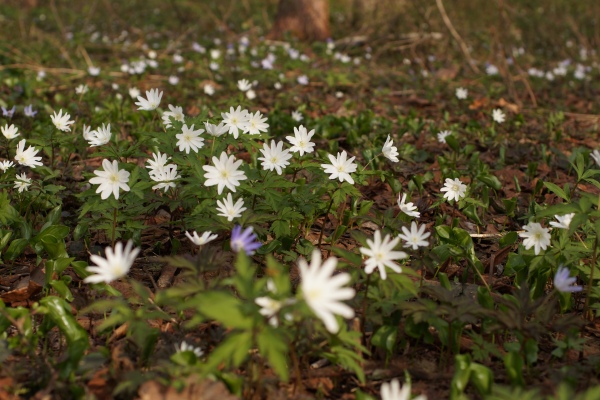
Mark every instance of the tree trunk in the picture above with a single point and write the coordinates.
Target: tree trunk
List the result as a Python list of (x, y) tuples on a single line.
[(305, 19)]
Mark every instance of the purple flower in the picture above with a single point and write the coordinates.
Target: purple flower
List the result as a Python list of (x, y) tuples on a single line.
[(29, 111), (244, 240), (563, 282), (8, 113)]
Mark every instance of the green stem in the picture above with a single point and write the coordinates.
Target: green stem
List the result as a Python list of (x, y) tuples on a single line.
[(114, 227), (340, 216)]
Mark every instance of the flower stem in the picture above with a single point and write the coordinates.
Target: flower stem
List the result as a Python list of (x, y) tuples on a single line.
[(324, 220), (114, 227), (340, 220)]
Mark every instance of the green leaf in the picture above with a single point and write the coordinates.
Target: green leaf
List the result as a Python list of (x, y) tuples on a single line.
[(62, 289), (15, 248), (557, 190), (59, 312), (222, 307), (385, 338), (232, 351), (274, 347)]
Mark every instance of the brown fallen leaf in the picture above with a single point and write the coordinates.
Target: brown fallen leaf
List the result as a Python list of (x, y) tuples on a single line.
[(196, 388)]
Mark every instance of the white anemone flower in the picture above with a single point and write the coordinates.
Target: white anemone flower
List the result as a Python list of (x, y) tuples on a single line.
[(230, 210), (27, 157), (415, 237), (454, 189), (389, 150), (275, 157), (381, 254), (301, 141), (341, 167), (323, 291), (407, 208), (110, 180), (189, 139), (61, 122), (206, 237), (152, 102), (224, 173), (116, 265), (535, 236)]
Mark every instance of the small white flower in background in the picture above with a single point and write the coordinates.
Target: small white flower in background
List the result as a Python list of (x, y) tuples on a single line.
[(134, 92), (116, 264), (10, 132), (158, 163), (81, 89), (251, 94), (269, 308), (255, 124), (596, 156), (61, 122), (563, 221), (407, 208), (415, 237), (189, 139), (491, 69), (381, 254), (535, 236), (41, 75), (152, 101), (341, 167), (214, 66), (152, 54), (461, 93), (498, 116), (303, 80), (94, 71), (215, 130), (215, 54), (297, 116), (22, 182), (98, 137), (244, 85), (27, 157), (235, 120), (224, 173), (441, 136), (454, 189), (177, 58), (198, 48), (301, 141), (339, 95), (174, 112), (5, 165), (277, 86), (115, 86), (198, 352), (392, 391), (275, 157), (323, 291), (563, 281), (173, 80), (228, 209), (209, 89), (206, 237), (389, 150), (165, 177), (110, 180)]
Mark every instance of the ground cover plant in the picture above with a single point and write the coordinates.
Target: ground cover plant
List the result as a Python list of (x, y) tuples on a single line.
[(190, 210)]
